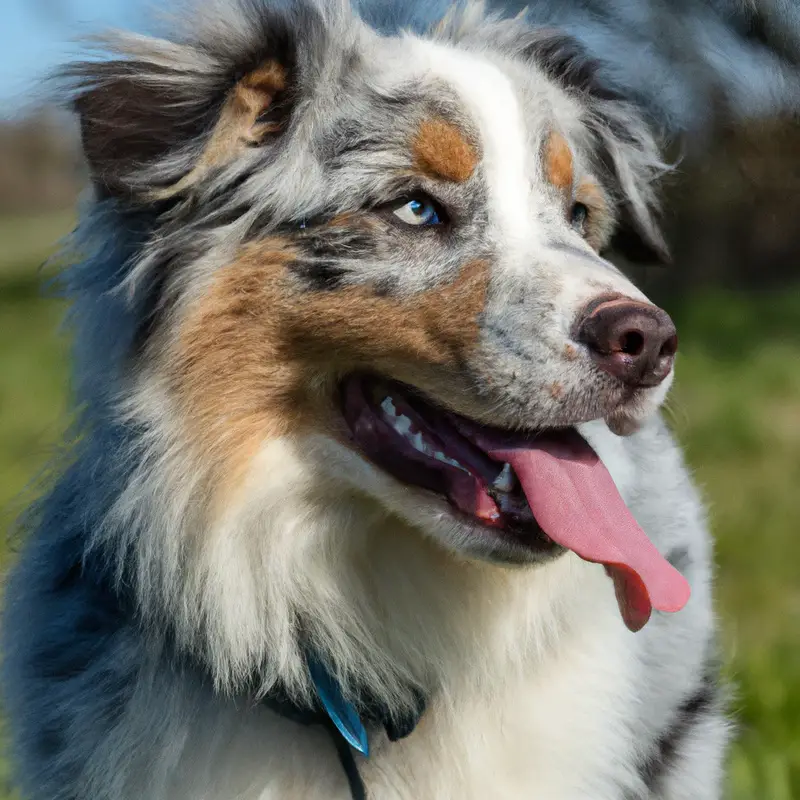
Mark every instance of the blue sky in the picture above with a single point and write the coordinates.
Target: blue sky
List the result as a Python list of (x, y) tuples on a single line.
[(35, 37)]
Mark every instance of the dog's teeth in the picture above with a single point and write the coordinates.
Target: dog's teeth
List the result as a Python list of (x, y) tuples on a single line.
[(440, 456), (506, 480), (427, 448), (402, 424), (388, 407)]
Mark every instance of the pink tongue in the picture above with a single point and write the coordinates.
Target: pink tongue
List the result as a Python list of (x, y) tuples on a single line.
[(576, 503)]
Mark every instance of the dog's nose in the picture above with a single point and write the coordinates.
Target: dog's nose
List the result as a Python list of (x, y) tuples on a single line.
[(631, 340)]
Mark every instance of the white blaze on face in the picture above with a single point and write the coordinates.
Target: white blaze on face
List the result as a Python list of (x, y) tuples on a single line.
[(489, 97), (511, 166)]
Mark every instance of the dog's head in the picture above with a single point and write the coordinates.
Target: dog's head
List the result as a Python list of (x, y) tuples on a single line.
[(365, 259)]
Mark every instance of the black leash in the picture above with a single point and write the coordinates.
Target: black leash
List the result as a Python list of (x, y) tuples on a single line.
[(348, 761), (280, 704)]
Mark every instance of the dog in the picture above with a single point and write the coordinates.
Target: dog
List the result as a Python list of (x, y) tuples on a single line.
[(370, 495)]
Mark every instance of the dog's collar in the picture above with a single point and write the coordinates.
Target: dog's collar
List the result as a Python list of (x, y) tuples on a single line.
[(341, 712), (347, 724)]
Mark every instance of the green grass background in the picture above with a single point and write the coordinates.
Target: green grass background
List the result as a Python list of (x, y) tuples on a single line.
[(735, 407)]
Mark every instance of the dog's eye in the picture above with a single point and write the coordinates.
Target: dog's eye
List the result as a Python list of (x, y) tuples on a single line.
[(578, 215), (419, 211)]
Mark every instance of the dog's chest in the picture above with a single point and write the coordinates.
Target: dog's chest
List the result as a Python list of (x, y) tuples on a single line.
[(565, 733), (561, 731)]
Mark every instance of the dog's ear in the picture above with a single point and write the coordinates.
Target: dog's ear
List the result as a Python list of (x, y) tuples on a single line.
[(627, 155), (630, 163), (158, 116)]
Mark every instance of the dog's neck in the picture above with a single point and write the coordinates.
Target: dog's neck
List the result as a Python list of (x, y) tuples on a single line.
[(287, 563)]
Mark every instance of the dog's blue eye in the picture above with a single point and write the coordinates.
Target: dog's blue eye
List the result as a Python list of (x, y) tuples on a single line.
[(419, 211)]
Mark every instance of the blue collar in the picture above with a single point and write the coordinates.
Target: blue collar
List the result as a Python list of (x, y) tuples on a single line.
[(341, 712), (345, 722)]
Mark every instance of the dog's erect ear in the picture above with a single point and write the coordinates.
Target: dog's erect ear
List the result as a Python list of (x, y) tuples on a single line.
[(158, 116), (135, 121), (568, 62), (627, 154), (630, 163)]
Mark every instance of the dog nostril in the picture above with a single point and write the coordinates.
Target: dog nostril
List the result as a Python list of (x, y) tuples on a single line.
[(670, 347), (632, 343)]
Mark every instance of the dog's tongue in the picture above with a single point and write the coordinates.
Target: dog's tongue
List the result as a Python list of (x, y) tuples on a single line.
[(576, 503)]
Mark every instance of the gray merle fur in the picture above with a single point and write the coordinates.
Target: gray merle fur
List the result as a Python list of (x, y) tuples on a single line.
[(100, 685)]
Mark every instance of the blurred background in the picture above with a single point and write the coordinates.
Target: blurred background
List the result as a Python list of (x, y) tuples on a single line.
[(734, 223)]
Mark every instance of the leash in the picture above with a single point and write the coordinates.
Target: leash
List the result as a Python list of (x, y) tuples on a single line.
[(348, 761)]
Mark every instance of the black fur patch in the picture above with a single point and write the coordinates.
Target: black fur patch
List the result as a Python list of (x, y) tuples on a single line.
[(58, 661), (325, 251), (51, 739), (566, 60), (135, 111), (680, 558), (631, 238), (89, 615), (690, 712), (337, 243), (629, 242), (319, 275), (756, 28), (347, 137)]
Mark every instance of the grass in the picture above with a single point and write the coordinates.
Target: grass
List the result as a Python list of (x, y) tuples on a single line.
[(30, 238), (736, 408)]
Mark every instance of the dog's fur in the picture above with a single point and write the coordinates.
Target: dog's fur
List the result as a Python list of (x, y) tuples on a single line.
[(236, 260)]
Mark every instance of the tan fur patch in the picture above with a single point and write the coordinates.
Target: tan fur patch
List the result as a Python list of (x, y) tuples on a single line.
[(442, 151), (556, 390), (570, 353), (230, 381), (238, 126), (259, 357), (558, 163)]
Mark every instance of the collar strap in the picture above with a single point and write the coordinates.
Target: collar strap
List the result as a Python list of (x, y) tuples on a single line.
[(343, 720), (341, 712)]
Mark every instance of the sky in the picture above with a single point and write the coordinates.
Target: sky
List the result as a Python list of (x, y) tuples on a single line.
[(35, 37)]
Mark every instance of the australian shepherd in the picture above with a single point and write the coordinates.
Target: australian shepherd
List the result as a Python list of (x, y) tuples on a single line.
[(370, 495)]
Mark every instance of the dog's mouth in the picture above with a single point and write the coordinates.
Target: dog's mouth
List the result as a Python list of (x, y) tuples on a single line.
[(548, 490)]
